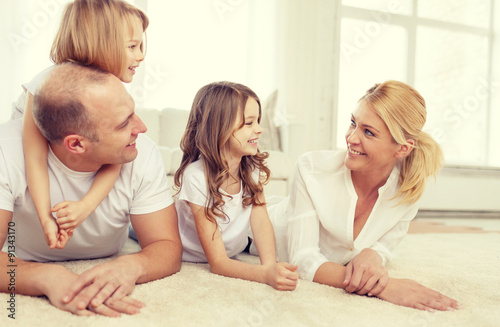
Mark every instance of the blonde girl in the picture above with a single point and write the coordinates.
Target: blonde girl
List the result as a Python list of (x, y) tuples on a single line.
[(220, 187), (103, 33)]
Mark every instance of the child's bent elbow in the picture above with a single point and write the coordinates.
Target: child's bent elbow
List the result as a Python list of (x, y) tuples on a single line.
[(218, 267)]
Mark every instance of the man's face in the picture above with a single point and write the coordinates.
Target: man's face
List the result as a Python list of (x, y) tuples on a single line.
[(117, 124)]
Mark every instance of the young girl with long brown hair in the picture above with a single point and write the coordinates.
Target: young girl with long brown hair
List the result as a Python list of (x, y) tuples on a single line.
[(220, 187)]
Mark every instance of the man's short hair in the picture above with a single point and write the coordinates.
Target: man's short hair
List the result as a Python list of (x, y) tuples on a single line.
[(58, 109)]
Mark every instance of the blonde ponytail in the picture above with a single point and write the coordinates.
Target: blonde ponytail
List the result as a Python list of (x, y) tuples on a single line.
[(424, 161)]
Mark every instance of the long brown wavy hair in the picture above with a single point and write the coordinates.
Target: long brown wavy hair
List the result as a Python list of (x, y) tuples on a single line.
[(215, 110)]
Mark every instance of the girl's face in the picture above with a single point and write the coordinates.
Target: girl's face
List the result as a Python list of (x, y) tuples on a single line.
[(134, 53), (244, 140), (370, 145)]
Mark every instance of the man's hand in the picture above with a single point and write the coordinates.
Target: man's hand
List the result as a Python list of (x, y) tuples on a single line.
[(366, 274), (58, 280), (108, 283)]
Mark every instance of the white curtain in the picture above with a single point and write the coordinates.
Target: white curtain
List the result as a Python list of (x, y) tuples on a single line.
[(192, 43), (494, 115), (307, 73)]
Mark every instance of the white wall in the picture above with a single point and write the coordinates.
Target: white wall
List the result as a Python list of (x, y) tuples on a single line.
[(494, 133), (460, 189), (27, 28)]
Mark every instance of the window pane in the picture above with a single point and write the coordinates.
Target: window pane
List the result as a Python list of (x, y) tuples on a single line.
[(467, 12), (451, 74), (402, 7), (368, 55)]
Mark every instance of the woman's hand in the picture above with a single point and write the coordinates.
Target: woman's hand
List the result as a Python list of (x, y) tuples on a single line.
[(411, 294), (365, 274), (282, 276)]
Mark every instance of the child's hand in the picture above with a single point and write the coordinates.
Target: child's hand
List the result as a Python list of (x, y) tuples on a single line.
[(71, 214), (55, 238), (63, 239), (51, 232), (282, 276)]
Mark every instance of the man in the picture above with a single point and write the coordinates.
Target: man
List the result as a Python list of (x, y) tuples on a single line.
[(88, 118)]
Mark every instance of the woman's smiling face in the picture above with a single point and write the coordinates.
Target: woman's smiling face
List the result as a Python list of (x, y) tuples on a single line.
[(370, 145)]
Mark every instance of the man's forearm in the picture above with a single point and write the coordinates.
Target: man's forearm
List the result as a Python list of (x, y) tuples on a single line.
[(21, 277), (155, 261)]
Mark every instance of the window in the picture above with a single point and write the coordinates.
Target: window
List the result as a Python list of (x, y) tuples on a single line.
[(443, 49)]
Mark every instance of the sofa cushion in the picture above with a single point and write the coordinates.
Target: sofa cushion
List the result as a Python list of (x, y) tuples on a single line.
[(172, 125), (151, 118)]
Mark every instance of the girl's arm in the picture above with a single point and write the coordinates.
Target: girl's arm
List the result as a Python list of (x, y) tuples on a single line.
[(263, 233), (280, 276), (35, 152), (71, 214)]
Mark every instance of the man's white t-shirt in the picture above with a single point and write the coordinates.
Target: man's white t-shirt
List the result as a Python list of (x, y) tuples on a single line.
[(234, 230), (141, 188)]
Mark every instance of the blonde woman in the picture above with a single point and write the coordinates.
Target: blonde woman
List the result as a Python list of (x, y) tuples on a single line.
[(107, 34), (347, 210)]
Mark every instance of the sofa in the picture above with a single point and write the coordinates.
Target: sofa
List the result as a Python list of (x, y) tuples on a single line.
[(165, 128)]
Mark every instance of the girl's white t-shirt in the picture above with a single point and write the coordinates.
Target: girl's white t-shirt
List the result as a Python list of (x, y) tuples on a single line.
[(234, 229), (31, 87)]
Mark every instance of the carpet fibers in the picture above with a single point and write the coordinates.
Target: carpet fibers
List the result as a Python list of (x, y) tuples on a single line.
[(463, 266)]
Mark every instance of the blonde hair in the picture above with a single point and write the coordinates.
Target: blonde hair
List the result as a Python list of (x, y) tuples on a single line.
[(215, 110), (403, 110), (92, 33)]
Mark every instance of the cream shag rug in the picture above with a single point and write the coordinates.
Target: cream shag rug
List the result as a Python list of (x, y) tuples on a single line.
[(463, 266)]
